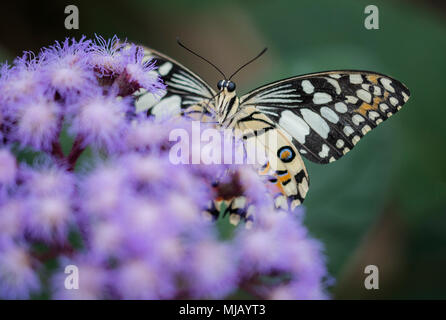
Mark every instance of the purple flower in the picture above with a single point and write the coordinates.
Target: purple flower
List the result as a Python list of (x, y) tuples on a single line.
[(212, 269), (143, 279), (103, 190), (66, 67), (91, 284), (47, 180), (146, 135), (17, 276), (11, 220), (23, 79), (106, 57), (36, 123), (101, 121), (139, 73), (8, 168), (49, 218)]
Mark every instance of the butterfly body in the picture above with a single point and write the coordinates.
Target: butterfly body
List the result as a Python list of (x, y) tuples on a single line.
[(320, 116), (227, 105)]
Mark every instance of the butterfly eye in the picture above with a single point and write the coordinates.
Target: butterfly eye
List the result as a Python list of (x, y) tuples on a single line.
[(231, 86), (220, 84)]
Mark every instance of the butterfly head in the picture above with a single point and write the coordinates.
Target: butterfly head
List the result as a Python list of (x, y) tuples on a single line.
[(227, 85)]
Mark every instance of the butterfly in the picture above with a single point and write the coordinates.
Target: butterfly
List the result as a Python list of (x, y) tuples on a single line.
[(320, 116)]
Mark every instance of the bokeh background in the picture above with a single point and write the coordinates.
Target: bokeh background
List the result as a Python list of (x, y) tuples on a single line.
[(382, 204)]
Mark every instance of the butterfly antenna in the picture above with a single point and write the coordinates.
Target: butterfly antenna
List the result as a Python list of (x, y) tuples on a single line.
[(252, 60), (196, 54)]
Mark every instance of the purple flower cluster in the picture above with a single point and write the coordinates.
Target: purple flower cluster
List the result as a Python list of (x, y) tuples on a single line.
[(75, 82), (130, 222)]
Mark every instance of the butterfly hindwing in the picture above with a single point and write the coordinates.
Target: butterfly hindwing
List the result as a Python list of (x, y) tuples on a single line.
[(186, 93), (288, 177), (327, 113)]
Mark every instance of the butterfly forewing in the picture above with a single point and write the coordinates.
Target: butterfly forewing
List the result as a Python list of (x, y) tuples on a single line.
[(327, 113), (186, 93)]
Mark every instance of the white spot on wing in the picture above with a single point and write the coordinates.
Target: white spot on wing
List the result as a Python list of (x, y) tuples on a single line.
[(357, 119), (351, 99), (355, 78), (168, 107), (366, 86), (387, 84), (324, 152), (373, 115), (321, 97), (348, 130), (335, 84), (307, 86), (294, 125), (364, 95), (329, 114), (405, 97), (393, 101), (316, 122), (340, 143), (341, 107), (366, 129), (165, 68), (376, 90), (145, 101)]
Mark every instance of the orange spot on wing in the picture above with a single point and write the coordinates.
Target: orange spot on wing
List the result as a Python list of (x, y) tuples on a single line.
[(280, 180), (366, 107), (285, 177), (373, 78), (280, 187), (285, 154)]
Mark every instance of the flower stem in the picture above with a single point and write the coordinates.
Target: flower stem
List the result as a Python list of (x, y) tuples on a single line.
[(56, 150), (75, 152)]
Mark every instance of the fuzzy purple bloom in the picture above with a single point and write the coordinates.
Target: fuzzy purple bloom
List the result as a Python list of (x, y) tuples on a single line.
[(17, 276), (8, 168), (66, 67), (138, 72), (23, 79), (37, 122), (100, 121), (106, 57)]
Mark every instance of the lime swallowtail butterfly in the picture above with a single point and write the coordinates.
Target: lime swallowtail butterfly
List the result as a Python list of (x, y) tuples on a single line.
[(320, 116)]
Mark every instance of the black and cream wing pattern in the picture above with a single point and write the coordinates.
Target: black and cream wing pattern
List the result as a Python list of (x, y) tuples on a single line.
[(320, 116), (186, 93), (327, 113)]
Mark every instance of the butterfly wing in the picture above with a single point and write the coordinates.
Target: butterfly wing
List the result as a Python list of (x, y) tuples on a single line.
[(325, 114), (186, 93)]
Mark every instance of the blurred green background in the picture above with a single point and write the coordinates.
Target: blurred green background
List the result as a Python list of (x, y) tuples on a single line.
[(382, 204)]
